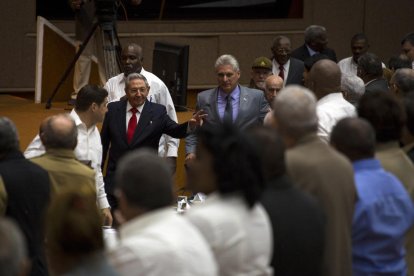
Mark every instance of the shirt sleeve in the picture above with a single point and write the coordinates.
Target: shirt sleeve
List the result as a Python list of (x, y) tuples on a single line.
[(166, 100), (35, 148), (100, 189)]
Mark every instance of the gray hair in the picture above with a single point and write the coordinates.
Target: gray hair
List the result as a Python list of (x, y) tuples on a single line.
[(313, 32), (354, 86), (136, 76), (404, 80), (295, 111), (227, 60), (9, 139), (13, 252)]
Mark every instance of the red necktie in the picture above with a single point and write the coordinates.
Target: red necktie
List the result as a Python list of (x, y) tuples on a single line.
[(281, 72), (132, 124)]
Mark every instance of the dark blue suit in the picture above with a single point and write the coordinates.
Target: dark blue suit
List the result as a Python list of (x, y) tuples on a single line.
[(153, 122)]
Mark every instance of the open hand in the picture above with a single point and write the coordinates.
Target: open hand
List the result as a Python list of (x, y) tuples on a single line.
[(197, 119)]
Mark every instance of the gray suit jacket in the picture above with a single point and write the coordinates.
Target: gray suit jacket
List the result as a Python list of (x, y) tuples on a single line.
[(328, 176), (252, 110)]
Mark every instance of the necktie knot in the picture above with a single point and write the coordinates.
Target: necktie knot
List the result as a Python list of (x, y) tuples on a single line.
[(134, 110), (281, 72)]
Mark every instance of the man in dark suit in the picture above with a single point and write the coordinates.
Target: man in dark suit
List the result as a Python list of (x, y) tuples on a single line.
[(316, 41), (283, 65), (229, 102), (297, 220), (135, 122), (27, 189), (370, 71)]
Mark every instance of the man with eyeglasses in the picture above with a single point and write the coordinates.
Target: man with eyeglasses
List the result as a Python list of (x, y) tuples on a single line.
[(283, 65), (228, 103), (261, 69), (134, 123)]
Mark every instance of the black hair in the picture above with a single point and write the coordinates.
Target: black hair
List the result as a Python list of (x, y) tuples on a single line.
[(88, 95), (145, 180), (236, 162), (354, 137), (385, 113)]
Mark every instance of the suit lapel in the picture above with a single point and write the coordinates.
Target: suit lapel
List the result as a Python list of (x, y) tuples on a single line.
[(213, 106), (121, 119), (243, 106)]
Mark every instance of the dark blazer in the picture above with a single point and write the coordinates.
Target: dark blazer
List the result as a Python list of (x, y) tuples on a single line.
[(28, 191), (252, 110), (295, 74), (379, 84), (153, 122), (302, 53), (298, 229)]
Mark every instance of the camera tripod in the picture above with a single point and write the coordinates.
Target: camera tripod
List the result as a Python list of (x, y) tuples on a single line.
[(111, 48)]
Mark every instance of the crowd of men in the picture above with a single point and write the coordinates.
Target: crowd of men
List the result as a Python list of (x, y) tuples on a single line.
[(308, 171)]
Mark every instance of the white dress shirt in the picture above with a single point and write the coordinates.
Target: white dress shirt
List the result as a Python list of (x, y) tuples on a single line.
[(349, 67), (89, 147), (129, 113), (159, 94), (241, 238), (161, 243), (330, 109), (276, 71)]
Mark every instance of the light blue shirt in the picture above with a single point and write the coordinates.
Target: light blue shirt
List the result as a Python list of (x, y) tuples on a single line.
[(235, 100), (383, 214), (311, 52)]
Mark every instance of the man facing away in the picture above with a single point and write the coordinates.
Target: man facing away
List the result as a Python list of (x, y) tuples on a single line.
[(27, 192), (319, 170), (90, 109), (155, 240), (59, 136), (325, 81), (383, 212)]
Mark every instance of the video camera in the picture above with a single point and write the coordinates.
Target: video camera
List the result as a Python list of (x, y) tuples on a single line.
[(106, 10)]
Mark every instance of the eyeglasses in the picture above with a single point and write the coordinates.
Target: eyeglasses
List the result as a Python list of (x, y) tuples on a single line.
[(136, 90)]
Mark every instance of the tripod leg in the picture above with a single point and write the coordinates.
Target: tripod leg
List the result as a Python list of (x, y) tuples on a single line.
[(110, 48), (71, 65)]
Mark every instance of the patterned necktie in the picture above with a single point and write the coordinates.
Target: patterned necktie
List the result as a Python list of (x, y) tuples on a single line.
[(282, 72), (132, 124), (228, 111)]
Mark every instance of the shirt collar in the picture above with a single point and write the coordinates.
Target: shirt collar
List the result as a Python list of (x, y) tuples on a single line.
[(139, 108), (123, 78), (235, 94), (330, 97), (138, 224), (311, 52), (276, 64), (369, 163)]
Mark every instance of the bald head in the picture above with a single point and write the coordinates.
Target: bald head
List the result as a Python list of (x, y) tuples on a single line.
[(294, 111), (131, 58), (59, 132), (402, 82), (325, 78), (273, 85)]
